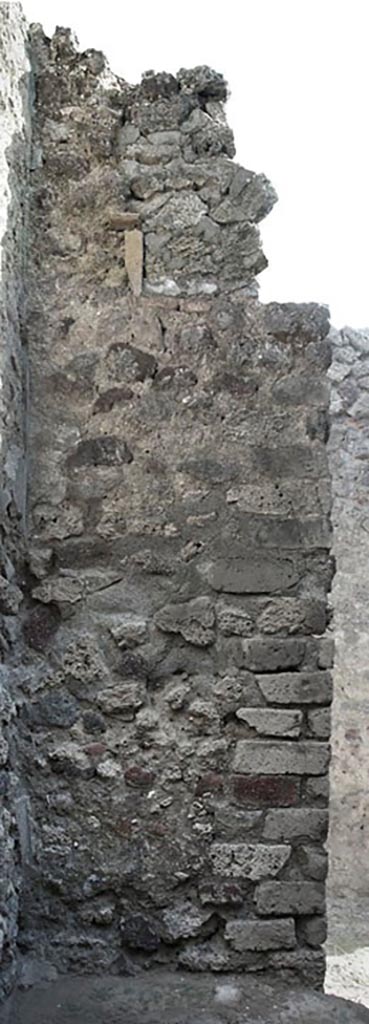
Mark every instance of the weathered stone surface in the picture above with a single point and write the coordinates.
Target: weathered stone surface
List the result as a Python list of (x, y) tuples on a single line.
[(260, 935), (255, 575), (289, 898), (272, 758), (310, 822), (320, 723), (263, 655), (267, 722), (247, 860), (301, 688), (194, 620)]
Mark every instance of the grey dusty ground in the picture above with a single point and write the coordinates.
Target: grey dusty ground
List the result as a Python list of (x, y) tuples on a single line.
[(163, 998)]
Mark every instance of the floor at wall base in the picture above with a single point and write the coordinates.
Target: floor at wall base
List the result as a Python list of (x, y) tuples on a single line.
[(162, 998)]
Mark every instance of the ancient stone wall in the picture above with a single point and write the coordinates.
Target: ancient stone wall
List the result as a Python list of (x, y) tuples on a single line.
[(176, 691), (348, 454), (14, 162)]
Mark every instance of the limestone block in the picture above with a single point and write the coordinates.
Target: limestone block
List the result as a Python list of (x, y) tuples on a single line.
[(133, 249)]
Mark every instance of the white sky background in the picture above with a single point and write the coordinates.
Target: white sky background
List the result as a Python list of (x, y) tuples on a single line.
[(298, 71)]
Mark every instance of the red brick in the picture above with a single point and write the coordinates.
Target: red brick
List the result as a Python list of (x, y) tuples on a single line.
[(209, 783), (265, 790)]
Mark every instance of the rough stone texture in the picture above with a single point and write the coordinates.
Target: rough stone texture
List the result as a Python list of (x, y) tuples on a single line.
[(14, 162), (348, 454), (178, 543)]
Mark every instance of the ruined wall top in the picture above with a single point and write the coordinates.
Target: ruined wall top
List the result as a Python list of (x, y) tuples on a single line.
[(158, 141)]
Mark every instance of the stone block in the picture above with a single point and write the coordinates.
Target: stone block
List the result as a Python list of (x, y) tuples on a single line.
[(194, 620), (184, 921), (248, 860), (265, 790), (278, 898), (268, 722), (320, 723), (259, 574), (260, 935), (268, 757), (296, 823), (297, 688), (264, 655), (293, 615), (314, 860), (318, 789), (313, 931)]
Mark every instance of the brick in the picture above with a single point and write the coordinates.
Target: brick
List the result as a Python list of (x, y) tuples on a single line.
[(319, 722), (262, 654), (297, 688), (295, 823), (260, 935), (268, 722), (269, 757), (289, 898), (265, 790), (248, 860)]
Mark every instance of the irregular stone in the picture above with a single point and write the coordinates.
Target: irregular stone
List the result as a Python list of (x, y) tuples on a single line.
[(248, 860), (194, 620), (100, 451), (232, 620), (54, 709), (139, 931), (184, 921), (260, 935), (272, 758), (128, 630), (293, 688), (289, 898), (301, 822), (10, 597), (267, 722), (68, 589), (124, 699), (70, 760)]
